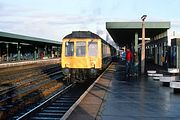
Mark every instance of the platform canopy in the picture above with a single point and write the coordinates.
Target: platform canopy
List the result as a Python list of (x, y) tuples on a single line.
[(123, 33), (10, 37)]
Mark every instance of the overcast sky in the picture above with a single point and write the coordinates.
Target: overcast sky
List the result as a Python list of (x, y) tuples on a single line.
[(53, 19)]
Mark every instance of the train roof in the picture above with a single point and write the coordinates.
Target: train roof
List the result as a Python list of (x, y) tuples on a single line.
[(82, 34)]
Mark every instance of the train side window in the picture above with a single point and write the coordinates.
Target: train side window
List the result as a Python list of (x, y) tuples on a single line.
[(92, 48), (69, 49), (80, 48)]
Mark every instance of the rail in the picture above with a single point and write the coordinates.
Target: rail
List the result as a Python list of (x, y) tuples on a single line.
[(33, 111)]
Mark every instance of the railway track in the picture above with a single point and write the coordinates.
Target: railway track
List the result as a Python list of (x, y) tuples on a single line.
[(41, 96), (22, 87), (55, 107)]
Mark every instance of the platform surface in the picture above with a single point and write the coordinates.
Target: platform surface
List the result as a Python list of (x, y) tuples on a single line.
[(28, 62), (116, 97)]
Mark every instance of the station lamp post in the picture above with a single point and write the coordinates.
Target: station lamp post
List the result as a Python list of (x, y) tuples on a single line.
[(143, 45)]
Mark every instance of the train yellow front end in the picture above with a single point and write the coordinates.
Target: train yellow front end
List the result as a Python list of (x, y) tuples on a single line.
[(81, 54), (84, 55)]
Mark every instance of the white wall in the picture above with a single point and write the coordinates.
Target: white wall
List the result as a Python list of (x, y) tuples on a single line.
[(172, 34)]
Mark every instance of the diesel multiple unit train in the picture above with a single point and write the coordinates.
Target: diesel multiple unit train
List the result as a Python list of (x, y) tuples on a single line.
[(84, 55)]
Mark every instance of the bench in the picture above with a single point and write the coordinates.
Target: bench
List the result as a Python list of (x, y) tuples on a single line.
[(157, 76), (167, 79), (151, 72), (176, 86), (173, 70)]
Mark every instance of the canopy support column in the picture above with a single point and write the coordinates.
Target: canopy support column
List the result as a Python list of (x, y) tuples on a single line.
[(19, 52), (136, 62)]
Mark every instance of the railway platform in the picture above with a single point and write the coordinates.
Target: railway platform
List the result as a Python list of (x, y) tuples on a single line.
[(28, 62), (115, 97)]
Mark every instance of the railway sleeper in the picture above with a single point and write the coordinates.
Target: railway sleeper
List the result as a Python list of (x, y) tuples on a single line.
[(32, 81), (13, 97), (47, 114), (9, 106), (27, 67), (22, 70), (53, 111), (51, 70), (25, 101), (18, 76), (44, 118), (61, 104), (57, 108), (25, 82), (24, 73), (66, 101)]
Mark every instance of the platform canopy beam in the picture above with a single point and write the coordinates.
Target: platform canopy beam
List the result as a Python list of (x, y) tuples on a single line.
[(123, 33)]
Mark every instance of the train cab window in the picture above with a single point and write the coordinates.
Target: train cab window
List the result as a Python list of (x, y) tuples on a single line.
[(92, 48), (80, 48), (69, 49)]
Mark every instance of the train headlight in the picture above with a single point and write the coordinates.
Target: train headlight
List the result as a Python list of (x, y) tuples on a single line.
[(93, 72), (66, 71), (93, 63), (67, 64)]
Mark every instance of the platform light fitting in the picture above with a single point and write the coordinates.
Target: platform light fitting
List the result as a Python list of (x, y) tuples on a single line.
[(143, 17)]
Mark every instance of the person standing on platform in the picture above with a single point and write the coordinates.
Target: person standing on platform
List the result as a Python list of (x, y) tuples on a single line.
[(129, 59)]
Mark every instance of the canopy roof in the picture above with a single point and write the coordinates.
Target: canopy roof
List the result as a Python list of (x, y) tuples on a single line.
[(123, 33), (9, 37)]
